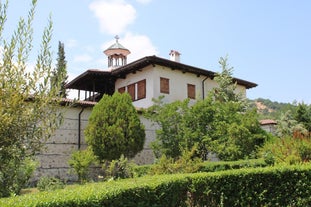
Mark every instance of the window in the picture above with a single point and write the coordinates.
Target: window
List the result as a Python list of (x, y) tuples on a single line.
[(164, 85), (136, 90), (141, 89), (191, 91)]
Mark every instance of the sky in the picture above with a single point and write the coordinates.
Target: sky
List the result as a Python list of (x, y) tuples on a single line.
[(267, 42)]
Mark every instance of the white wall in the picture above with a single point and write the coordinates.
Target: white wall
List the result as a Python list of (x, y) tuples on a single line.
[(177, 82)]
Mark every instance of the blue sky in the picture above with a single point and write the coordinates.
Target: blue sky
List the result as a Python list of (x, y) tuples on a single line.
[(267, 42)]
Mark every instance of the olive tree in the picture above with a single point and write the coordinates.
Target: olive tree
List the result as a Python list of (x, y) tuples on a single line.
[(114, 128), (28, 105)]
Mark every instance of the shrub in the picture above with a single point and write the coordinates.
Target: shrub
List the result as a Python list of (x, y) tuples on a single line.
[(287, 150), (15, 175), (184, 164), (80, 162), (49, 184), (230, 165), (165, 165), (120, 168)]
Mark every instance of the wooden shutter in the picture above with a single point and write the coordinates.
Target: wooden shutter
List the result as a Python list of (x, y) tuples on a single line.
[(164, 85), (121, 90), (131, 91), (191, 91), (141, 89)]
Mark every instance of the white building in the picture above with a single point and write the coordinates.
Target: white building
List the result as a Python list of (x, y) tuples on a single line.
[(144, 79)]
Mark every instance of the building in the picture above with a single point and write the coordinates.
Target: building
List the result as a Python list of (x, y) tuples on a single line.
[(147, 78), (268, 125), (144, 79)]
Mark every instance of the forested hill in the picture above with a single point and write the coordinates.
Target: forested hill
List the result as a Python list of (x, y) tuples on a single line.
[(268, 109)]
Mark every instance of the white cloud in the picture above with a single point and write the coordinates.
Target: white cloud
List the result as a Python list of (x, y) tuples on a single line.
[(139, 45), (144, 1), (71, 43), (114, 15), (82, 58)]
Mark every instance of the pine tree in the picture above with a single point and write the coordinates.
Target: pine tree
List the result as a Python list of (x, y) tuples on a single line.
[(226, 89), (60, 72), (114, 128)]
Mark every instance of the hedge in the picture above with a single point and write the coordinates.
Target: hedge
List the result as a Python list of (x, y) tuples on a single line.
[(270, 186), (229, 165), (143, 170)]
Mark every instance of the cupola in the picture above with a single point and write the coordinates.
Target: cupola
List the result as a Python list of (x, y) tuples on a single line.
[(117, 54)]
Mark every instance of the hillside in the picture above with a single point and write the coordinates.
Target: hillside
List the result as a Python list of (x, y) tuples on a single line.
[(268, 109)]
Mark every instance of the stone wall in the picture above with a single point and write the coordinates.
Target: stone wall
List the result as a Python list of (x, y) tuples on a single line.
[(54, 158)]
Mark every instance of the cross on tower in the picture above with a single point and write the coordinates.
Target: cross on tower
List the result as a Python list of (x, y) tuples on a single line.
[(117, 38)]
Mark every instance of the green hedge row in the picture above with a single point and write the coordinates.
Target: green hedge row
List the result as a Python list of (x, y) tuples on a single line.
[(143, 170), (270, 186), (230, 165)]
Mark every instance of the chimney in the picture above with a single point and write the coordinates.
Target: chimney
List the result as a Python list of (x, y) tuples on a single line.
[(175, 56)]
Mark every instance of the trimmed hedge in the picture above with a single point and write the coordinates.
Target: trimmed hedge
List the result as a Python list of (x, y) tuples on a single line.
[(270, 186), (230, 165), (143, 170)]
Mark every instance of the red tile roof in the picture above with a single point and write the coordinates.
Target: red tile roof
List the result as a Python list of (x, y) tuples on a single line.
[(267, 122)]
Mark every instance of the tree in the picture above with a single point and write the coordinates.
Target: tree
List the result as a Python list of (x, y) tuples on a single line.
[(209, 126), (170, 117), (287, 126), (226, 89), (114, 128), (28, 107), (222, 123), (303, 115), (59, 75)]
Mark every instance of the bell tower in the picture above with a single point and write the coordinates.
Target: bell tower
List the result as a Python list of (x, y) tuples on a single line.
[(117, 54)]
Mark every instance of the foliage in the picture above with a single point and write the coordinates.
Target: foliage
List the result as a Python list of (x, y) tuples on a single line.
[(288, 126), (286, 150), (15, 176), (222, 124), (230, 165), (114, 128), (121, 168), (49, 184), (270, 186), (207, 166), (59, 74), (226, 89), (225, 128), (80, 161), (303, 115), (234, 133), (28, 105), (170, 117), (186, 163)]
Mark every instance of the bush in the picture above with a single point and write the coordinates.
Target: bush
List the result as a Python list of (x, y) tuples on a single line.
[(287, 150), (271, 186), (168, 166), (186, 163), (230, 165), (80, 162), (120, 168), (49, 184), (15, 175)]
